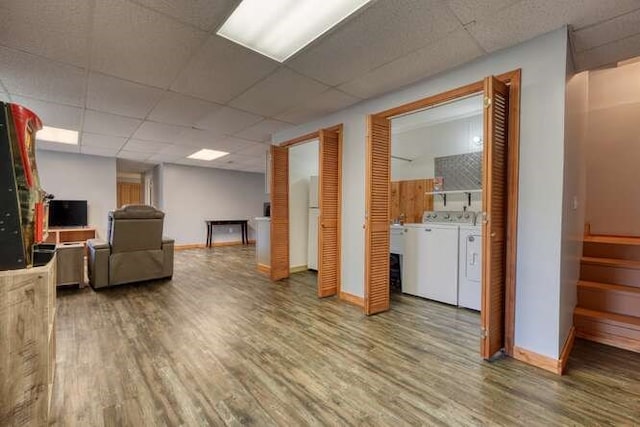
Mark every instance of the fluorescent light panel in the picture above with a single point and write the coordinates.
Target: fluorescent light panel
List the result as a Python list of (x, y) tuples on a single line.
[(280, 28), (206, 154), (62, 136)]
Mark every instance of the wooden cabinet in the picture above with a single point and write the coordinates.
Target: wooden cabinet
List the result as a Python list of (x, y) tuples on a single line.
[(28, 342), (408, 199)]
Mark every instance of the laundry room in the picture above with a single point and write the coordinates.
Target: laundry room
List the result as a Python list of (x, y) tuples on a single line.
[(436, 205)]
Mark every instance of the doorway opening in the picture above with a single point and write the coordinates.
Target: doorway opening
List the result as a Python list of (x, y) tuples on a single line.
[(498, 218), (323, 235), (436, 206), (602, 110)]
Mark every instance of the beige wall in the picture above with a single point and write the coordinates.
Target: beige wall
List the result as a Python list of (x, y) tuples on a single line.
[(613, 151)]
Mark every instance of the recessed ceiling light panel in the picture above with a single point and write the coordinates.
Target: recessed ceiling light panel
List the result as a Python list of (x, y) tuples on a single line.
[(206, 154), (280, 28), (63, 136)]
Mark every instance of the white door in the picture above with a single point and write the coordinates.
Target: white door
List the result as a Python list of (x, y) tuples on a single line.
[(439, 280)]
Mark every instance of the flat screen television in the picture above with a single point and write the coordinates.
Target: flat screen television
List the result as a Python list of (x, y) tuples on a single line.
[(67, 213)]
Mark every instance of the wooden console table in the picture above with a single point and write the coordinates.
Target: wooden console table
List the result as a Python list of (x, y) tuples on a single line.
[(213, 222), (59, 235)]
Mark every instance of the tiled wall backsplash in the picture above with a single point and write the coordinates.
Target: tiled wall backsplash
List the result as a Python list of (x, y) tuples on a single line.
[(460, 171)]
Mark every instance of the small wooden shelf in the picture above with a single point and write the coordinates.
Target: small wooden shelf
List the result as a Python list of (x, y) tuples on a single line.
[(59, 235)]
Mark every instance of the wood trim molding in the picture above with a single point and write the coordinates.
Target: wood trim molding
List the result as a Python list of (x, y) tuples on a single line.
[(298, 269), (266, 269), (566, 350), (215, 244), (351, 299), (557, 366), (513, 190), (460, 92), (300, 139), (189, 246), (532, 358)]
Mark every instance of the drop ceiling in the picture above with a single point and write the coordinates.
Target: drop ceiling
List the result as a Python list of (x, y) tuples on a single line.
[(149, 81)]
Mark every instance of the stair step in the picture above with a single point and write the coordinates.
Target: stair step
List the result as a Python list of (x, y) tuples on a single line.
[(609, 297), (613, 240), (612, 262), (610, 270), (618, 247), (608, 328)]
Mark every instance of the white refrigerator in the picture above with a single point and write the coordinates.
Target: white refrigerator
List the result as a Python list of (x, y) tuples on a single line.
[(314, 214)]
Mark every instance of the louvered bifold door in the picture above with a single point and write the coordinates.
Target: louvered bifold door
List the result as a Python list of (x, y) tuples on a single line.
[(377, 215), (330, 200), (494, 199), (279, 213)]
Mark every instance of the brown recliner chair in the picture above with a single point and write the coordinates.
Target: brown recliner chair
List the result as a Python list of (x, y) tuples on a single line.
[(134, 251)]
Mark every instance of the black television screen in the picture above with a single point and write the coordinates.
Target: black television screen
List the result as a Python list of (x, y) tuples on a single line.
[(67, 213)]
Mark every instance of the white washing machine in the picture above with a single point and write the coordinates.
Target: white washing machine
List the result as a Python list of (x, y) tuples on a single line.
[(470, 268), (430, 262)]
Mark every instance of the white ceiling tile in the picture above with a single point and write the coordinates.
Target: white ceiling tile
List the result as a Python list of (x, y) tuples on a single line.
[(456, 49), (102, 141), (263, 130), (56, 29), (40, 78), (221, 70), (204, 14), (254, 150), (133, 155), (606, 32), (109, 124), (154, 131), (279, 92), (178, 109), (151, 147), (139, 44), (198, 138), (55, 146), (608, 54), (470, 10), (228, 144), (99, 151), (318, 106), (527, 19), (228, 120), (121, 97), (52, 114), (385, 31), (163, 158)]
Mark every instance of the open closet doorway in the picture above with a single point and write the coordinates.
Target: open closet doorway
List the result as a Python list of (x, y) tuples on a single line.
[(435, 270), (323, 234)]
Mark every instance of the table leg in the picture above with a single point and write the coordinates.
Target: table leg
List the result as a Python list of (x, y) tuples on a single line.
[(209, 232), (244, 233)]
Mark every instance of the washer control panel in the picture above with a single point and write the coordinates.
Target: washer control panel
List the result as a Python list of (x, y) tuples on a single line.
[(447, 217)]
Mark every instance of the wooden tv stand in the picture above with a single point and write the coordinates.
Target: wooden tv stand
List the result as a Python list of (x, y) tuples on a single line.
[(59, 235)]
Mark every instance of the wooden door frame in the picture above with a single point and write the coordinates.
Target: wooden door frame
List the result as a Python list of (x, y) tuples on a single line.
[(513, 80), (302, 140)]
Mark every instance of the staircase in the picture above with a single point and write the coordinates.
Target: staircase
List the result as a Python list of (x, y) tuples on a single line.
[(608, 309)]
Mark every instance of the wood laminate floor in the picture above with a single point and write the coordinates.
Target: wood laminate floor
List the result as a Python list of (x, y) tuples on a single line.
[(222, 345)]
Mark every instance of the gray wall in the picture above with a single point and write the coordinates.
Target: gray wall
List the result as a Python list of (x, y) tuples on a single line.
[(540, 204), (191, 195), (574, 203), (81, 177)]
